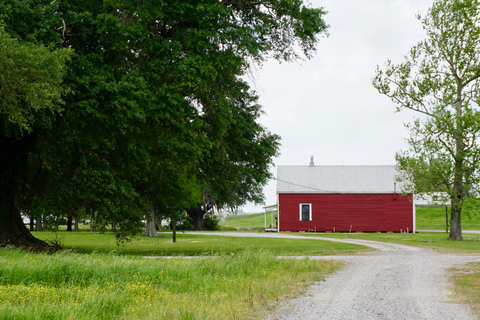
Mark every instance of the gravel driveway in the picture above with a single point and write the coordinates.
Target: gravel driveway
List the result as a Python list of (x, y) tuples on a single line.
[(394, 282)]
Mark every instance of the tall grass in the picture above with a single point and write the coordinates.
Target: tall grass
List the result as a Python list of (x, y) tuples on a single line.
[(108, 286)]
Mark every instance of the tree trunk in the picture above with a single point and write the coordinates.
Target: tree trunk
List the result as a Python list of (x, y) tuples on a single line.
[(150, 225), (69, 222), (197, 213), (38, 224), (13, 155), (32, 223), (174, 230), (76, 224), (14, 232), (457, 201), (93, 227), (458, 173)]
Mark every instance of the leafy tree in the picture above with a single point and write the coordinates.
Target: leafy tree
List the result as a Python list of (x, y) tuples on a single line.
[(155, 93), (206, 51), (30, 91), (440, 79), (237, 165)]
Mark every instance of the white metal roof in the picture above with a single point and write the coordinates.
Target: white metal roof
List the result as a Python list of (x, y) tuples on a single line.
[(337, 179)]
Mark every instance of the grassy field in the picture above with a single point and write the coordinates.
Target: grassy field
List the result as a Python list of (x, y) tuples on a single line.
[(233, 278), (256, 221), (434, 218), (189, 244), (67, 285), (237, 278)]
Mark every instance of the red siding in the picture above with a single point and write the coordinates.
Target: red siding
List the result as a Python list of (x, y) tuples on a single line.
[(363, 212)]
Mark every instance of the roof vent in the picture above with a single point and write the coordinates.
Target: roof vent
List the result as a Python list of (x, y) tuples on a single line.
[(311, 161)]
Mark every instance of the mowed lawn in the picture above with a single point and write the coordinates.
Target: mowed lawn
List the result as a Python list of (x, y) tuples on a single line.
[(190, 244), (256, 221)]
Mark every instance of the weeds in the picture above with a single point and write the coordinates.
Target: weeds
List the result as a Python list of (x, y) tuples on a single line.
[(67, 285)]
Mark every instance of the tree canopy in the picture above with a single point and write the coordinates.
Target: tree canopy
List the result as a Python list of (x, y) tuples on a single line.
[(149, 109), (440, 79)]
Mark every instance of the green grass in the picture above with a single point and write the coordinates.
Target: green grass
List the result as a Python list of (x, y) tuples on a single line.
[(466, 285), (256, 220), (433, 218), (434, 240), (190, 244), (67, 285), (240, 277)]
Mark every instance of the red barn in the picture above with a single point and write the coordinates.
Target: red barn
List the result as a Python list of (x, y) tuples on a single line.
[(342, 199)]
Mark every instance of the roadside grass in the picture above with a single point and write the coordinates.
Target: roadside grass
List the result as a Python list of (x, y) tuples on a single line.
[(68, 285), (190, 244), (433, 240), (465, 283)]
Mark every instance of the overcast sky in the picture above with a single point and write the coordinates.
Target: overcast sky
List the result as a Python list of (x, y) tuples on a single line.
[(327, 106)]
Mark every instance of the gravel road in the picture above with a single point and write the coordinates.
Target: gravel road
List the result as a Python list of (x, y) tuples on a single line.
[(394, 282)]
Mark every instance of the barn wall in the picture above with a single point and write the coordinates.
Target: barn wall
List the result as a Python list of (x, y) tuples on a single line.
[(363, 212)]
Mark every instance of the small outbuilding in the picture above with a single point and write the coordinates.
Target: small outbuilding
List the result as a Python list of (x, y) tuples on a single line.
[(342, 199)]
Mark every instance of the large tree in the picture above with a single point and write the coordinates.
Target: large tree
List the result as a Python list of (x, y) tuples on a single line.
[(440, 80), (30, 91), (155, 90)]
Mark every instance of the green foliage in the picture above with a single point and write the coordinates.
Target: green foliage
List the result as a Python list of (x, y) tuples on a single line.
[(184, 223), (31, 80), (440, 80), (157, 115), (210, 222)]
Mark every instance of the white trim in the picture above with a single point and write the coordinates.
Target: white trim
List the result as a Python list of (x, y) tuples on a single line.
[(414, 213), (309, 211), (278, 214)]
